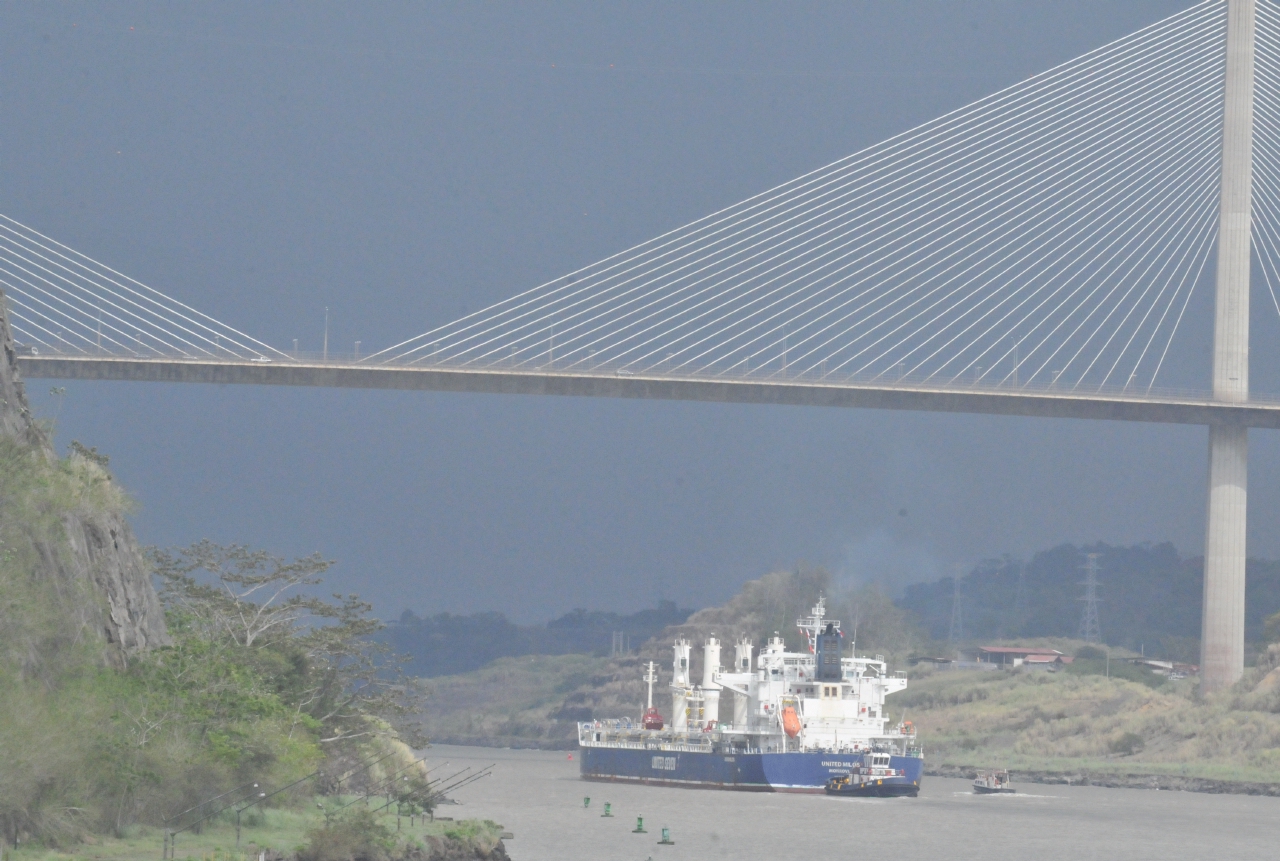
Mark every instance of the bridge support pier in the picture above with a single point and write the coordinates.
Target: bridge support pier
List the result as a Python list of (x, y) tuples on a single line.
[(1222, 626)]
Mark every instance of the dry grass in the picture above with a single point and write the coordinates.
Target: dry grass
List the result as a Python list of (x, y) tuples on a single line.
[(1035, 720)]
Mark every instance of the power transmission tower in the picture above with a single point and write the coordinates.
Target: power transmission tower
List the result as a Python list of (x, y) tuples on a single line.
[(1090, 630), (957, 615), (621, 645)]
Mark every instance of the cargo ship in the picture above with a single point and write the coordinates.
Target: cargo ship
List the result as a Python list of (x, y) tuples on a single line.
[(778, 721)]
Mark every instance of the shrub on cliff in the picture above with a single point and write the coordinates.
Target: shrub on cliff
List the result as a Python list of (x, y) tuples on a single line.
[(260, 683), (354, 835)]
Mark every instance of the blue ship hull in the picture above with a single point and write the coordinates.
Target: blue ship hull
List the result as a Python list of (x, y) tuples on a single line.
[(759, 772)]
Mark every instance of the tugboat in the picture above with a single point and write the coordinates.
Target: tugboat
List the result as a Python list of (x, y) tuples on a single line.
[(775, 721), (993, 782), (874, 777)]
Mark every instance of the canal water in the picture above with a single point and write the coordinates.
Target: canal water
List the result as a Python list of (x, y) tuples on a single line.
[(538, 796)]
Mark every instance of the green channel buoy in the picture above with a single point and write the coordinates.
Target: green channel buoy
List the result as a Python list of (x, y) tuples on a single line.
[(639, 829), (586, 802), (666, 838), (608, 809)]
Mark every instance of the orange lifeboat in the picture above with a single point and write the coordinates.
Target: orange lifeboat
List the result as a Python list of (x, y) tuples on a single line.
[(790, 722)]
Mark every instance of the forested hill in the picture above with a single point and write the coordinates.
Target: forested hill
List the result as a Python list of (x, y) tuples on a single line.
[(1150, 598), (445, 644)]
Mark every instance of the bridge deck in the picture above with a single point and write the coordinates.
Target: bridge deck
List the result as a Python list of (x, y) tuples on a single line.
[(1169, 409)]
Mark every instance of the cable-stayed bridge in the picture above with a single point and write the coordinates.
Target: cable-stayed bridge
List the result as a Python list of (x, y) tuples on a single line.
[(1037, 252)]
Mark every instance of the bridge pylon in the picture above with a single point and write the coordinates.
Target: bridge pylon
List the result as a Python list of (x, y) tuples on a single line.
[(1222, 626)]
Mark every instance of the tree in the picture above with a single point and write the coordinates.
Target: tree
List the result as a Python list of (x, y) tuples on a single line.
[(1271, 629), (319, 656), (243, 592)]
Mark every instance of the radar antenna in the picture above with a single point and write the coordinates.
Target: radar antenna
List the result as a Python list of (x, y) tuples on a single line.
[(814, 625)]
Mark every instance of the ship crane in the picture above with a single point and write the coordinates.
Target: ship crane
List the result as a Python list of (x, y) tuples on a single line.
[(652, 718)]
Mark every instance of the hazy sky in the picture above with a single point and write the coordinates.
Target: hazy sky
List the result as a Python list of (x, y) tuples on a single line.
[(405, 164)]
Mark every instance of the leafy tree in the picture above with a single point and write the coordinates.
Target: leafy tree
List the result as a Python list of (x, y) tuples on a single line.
[(319, 657), (1271, 629)]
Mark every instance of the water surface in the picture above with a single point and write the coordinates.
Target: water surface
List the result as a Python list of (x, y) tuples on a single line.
[(538, 796)]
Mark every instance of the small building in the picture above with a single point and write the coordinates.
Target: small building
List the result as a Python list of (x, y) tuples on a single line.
[(1016, 656), (916, 660), (1172, 669)]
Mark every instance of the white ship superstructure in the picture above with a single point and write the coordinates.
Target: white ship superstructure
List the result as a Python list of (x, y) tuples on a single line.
[(838, 702), (778, 719)]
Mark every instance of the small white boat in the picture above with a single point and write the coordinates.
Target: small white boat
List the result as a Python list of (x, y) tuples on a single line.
[(992, 782)]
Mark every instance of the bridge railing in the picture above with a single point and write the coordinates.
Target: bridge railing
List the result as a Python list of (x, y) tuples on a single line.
[(549, 366)]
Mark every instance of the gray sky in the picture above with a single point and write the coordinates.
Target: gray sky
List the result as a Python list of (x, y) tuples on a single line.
[(406, 164)]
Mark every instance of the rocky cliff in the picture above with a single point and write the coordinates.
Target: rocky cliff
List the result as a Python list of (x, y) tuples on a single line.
[(95, 552)]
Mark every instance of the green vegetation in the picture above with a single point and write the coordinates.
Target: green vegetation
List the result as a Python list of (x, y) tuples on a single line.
[(283, 832), (261, 683), (357, 833), (1116, 670), (362, 835), (1083, 721), (61, 709)]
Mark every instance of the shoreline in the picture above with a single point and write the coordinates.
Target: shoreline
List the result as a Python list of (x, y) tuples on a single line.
[(1081, 777), (1168, 782)]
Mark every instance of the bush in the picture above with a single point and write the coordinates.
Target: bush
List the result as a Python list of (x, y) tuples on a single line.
[(1117, 670), (1127, 744), (1271, 629), (1091, 653), (355, 835)]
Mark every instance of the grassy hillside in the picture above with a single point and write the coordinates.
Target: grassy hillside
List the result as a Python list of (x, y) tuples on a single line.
[(532, 701), (1077, 722), (280, 832)]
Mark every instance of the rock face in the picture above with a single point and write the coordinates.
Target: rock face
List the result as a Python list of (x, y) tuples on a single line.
[(100, 548)]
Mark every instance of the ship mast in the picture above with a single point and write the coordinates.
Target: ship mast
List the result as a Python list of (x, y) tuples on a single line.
[(650, 677), (812, 626)]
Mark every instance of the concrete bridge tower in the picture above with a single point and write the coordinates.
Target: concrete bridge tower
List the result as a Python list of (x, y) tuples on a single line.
[(1222, 631)]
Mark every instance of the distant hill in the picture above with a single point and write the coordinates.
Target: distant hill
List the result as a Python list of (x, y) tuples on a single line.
[(534, 700), (1150, 598), (446, 644)]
